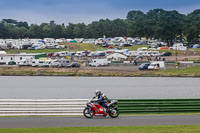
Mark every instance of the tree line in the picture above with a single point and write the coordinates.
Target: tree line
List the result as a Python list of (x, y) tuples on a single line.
[(160, 24)]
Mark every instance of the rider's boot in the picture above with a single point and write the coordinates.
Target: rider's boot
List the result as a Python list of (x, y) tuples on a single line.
[(105, 110)]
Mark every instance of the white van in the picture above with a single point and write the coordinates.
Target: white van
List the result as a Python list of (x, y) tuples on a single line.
[(99, 62), (157, 65)]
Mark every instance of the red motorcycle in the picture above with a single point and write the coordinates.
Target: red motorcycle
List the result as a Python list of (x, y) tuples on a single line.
[(94, 109)]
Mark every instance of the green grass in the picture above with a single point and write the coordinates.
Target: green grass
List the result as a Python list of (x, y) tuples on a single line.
[(129, 129), (70, 47), (28, 71), (191, 71), (35, 51), (196, 49), (179, 52)]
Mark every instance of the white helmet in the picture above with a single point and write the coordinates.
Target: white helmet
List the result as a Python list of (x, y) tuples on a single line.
[(98, 93)]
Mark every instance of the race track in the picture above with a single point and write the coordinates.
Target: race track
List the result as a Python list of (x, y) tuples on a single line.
[(44, 122)]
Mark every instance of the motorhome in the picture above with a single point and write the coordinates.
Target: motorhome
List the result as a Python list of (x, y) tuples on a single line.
[(178, 46), (97, 53), (3, 44), (41, 63), (80, 53), (100, 41), (132, 53), (63, 53), (148, 53), (24, 63)]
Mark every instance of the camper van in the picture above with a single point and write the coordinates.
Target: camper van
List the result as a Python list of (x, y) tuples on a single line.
[(98, 62), (24, 63), (41, 63), (157, 65), (67, 63), (178, 46)]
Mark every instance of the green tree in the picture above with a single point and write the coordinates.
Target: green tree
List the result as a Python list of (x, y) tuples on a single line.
[(136, 22), (22, 32), (35, 31), (46, 30), (79, 30), (192, 26), (165, 25), (68, 33)]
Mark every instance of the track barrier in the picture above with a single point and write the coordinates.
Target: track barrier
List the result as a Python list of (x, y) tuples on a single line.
[(34, 107), (24, 107), (158, 105)]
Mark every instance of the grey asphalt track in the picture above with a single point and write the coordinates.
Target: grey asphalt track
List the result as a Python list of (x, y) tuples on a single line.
[(44, 122)]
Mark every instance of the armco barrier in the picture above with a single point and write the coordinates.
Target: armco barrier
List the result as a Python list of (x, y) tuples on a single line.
[(158, 105), (23, 107)]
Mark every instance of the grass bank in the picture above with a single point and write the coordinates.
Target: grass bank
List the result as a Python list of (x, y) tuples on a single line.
[(98, 72), (73, 47), (182, 72), (130, 129)]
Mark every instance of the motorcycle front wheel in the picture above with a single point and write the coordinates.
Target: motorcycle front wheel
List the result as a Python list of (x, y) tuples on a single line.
[(114, 113), (88, 112)]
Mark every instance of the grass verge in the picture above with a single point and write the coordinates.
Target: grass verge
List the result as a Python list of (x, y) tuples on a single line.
[(97, 72), (182, 72), (129, 129)]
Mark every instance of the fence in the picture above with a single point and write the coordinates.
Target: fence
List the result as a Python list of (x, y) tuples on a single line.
[(24, 107), (159, 105)]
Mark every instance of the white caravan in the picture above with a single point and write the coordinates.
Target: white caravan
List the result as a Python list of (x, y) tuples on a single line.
[(98, 62)]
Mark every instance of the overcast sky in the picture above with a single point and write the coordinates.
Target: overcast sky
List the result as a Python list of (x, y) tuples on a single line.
[(75, 11)]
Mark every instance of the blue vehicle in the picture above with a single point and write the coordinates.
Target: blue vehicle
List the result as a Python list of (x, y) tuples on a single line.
[(144, 66)]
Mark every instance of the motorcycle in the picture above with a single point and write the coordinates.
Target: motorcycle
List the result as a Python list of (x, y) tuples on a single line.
[(94, 109)]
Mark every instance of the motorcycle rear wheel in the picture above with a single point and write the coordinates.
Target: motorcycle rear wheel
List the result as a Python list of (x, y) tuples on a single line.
[(114, 113), (88, 113)]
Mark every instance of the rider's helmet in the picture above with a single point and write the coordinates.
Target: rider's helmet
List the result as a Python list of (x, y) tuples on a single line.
[(98, 93)]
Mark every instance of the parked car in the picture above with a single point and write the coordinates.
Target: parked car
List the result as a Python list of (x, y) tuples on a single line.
[(11, 63), (74, 64), (144, 66), (166, 54)]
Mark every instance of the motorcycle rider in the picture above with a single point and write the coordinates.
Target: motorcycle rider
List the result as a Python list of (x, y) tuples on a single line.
[(102, 99)]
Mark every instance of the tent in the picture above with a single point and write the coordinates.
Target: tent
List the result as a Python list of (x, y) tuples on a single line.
[(72, 41), (196, 46), (116, 57)]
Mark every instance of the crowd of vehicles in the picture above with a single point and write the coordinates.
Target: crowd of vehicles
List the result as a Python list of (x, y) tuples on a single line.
[(51, 43), (49, 63)]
